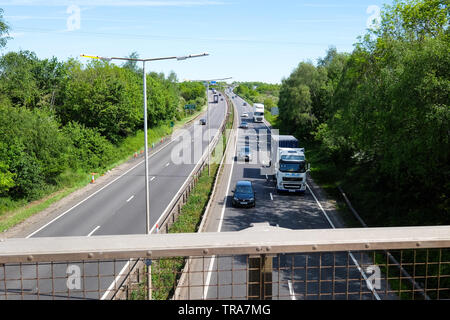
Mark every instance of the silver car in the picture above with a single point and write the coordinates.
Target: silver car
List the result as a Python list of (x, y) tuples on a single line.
[(245, 154)]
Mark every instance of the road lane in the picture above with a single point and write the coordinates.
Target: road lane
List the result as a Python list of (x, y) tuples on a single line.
[(99, 209), (289, 211), (105, 213)]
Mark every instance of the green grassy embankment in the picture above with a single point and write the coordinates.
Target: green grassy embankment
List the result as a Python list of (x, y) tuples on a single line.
[(165, 272), (14, 212)]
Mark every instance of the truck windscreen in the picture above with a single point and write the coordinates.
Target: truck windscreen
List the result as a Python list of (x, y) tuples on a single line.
[(295, 167), (292, 158)]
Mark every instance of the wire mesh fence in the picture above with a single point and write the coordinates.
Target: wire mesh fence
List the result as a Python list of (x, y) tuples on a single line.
[(417, 274)]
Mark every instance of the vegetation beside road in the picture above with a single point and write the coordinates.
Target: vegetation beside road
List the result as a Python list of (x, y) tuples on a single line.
[(376, 121), (258, 92), (62, 121), (166, 272)]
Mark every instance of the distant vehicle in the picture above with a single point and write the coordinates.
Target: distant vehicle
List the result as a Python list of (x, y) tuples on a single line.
[(244, 125), (245, 104), (258, 112), (216, 98), (245, 154), (203, 122), (243, 195), (221, 99), (245, 115), (288, 164)]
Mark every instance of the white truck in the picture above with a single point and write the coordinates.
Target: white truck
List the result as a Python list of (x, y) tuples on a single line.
[(258, 112), (288, 163)]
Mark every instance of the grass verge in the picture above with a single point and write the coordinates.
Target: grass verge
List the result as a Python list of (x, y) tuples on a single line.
[(424, 264), (13, 212), (166, 272)]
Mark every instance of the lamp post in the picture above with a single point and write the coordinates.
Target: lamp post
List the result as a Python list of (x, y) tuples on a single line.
[(207, 82), (179, 58), (147, 202)]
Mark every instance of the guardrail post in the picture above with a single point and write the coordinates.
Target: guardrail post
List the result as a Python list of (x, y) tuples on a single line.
[(260, 277)]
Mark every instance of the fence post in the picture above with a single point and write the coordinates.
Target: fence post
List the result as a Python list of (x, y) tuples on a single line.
[(260, 277)]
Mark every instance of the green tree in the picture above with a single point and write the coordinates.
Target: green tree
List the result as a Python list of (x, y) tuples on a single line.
[(3, 30), (301, 100), (17, 78), (6, 178), (102, 96), (132, 64), (382, 113), (27, 81), (414, 19), (88, 150), (33, 149), (191, 91)]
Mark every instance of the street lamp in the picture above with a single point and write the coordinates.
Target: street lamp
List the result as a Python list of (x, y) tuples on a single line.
[(179, 58), (207, 82)]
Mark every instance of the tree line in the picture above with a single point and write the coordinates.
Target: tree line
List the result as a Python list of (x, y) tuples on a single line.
[(60, 117), (381, 114), (259, 92)]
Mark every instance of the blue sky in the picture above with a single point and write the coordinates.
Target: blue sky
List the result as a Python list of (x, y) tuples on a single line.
[(249, 40)]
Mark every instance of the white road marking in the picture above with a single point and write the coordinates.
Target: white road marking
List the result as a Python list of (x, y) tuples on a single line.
[(291, 290), (167, 164), (213, 258), (85, 199), (113, 284), (92, 232), (271, 196), (369, 285), (119, 276), (153, 178), (174, 198), (129, 199)]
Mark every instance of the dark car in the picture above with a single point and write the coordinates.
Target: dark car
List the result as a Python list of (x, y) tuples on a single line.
[(244, 194), (245, 104), (203, 122)]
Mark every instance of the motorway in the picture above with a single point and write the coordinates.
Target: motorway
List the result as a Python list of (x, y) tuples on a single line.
[(117, 208), (294, 276)]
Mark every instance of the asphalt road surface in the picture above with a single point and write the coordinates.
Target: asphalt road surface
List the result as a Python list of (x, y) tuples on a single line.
[(294, 276), (117, 209)]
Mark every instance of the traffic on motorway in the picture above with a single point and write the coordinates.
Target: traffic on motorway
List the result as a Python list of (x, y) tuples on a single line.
[(116, 207), (271, 185)]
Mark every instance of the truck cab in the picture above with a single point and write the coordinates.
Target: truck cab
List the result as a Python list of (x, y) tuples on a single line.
[(258, 112), (291, 170), (289, 165)]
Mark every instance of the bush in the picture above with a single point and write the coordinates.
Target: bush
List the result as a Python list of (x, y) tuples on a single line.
[(89, 149), (33, 149)]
